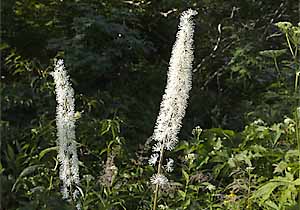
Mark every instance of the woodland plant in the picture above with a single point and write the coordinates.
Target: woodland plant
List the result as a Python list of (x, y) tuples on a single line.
[(174, 101), (285, 185), (65, 122)]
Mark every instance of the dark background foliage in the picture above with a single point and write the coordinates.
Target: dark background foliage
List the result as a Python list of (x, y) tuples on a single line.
[(117, 54)]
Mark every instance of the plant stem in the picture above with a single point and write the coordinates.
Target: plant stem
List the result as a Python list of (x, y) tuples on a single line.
[(155, 197), (297, 114), (158, 172), (296, 82), (277, 67), (290, 46)]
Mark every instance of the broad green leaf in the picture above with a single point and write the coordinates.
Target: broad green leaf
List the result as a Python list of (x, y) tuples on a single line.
[(264, 192)]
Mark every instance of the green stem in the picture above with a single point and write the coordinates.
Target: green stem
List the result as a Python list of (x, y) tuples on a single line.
[(158, 172), (249, 191), (289, 43), (277, 67), (296, 82), (50, 183), (155, 196)]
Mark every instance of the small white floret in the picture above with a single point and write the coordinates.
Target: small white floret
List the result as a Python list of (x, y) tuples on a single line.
[(153, 159), (169, 165), (159, 179)]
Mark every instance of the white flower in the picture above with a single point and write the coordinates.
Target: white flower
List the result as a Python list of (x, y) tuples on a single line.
[(65, 122), (153, 159), (163, 207), (259, 122), (170, 145), (197, 131), (159, 179), (169, 165), (179, 83), (157, 147)]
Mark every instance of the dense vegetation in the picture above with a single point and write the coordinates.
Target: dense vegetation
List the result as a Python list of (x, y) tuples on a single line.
[(239, 145)]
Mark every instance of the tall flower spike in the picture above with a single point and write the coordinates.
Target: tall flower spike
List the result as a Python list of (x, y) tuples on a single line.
[(65, 122), (179, 83), (174, 100)]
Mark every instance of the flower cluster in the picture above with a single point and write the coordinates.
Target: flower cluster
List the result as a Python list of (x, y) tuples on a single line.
[(174, 100), (65, 122)]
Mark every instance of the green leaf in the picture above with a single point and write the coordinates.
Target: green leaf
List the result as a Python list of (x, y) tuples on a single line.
[(29, 170), (272, 53), (185, 175), (47, 150), (182, 193), (296, 182), (278, 134), (272, 204), (10, 153), (289, 194), (187, 203), (264, 192), (25, 172), (292, 153)]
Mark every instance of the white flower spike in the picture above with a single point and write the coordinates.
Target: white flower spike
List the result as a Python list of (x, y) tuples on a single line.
[(174, 100), (179, 83), (65, 122)]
